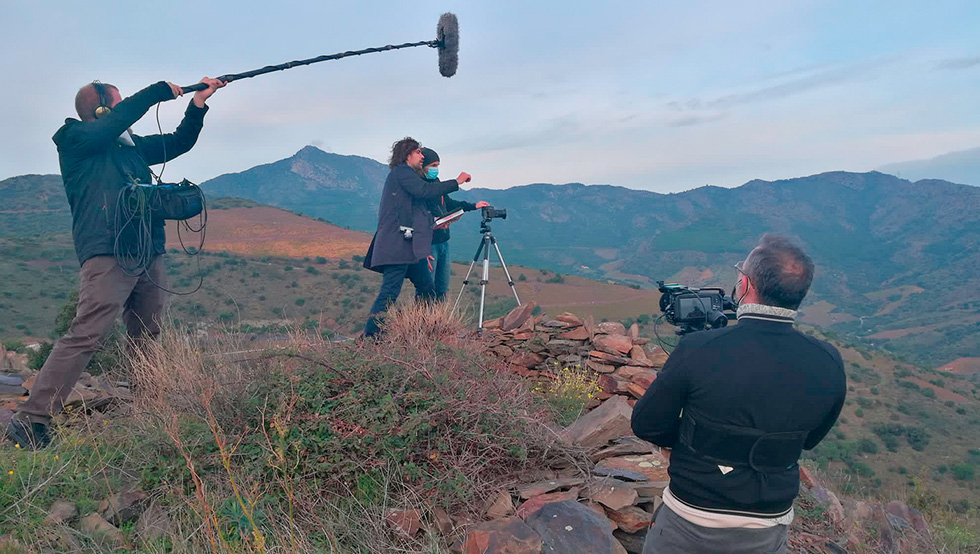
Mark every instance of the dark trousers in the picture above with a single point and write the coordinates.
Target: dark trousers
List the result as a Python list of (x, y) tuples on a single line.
[(391, 286), (672, 534), (105, 291)]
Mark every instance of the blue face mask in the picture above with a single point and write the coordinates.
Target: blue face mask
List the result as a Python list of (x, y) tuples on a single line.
[(432, 173)]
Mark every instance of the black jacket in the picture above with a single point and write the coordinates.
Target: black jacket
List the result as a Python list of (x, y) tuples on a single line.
[(442, 206), (95, 166), (404, 203), (760, 374)]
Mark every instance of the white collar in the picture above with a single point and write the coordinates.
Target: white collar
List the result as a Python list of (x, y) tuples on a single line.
[(763, 311)]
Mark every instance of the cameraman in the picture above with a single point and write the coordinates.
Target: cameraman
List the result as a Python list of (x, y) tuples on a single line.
[(99, 156), (738, 405), (441, 207), (401, 245)]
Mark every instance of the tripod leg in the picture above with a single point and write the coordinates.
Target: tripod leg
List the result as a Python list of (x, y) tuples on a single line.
[(510, 281), (485, 280), (466, 280)]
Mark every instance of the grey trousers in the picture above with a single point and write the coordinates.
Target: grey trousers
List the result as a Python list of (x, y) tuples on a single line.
[(672, 534), (105, 291)]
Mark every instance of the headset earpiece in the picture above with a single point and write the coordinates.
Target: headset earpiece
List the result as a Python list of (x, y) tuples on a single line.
[(103, 108)]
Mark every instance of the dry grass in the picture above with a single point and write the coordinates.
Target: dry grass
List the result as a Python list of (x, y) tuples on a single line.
[(303, 447), (420, 327)]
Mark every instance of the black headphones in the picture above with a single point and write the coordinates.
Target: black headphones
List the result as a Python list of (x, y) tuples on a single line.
[(103, 107)]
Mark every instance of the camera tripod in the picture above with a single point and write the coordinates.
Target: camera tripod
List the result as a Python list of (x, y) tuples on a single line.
[(486, 242)]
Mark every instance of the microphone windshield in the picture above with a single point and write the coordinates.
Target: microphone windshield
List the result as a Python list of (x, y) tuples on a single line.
[(447, 33)]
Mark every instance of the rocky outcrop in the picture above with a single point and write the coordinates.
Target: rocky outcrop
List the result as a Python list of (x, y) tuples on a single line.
[(536, 347), (576, 511)]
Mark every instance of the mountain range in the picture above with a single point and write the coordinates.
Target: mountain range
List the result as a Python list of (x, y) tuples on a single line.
[(958, 167), (898, 261)]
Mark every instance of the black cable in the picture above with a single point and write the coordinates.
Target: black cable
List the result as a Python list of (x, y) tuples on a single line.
[(134, 207), (142, 209), (660, 340)]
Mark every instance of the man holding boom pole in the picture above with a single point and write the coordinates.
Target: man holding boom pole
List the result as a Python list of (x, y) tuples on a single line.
[(99, 156)]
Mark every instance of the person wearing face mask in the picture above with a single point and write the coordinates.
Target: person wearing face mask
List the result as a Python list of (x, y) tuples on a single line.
[(99, 156), (400, 248), (440, 262)]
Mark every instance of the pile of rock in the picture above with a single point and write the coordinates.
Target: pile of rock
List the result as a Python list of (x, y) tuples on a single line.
[(90, 394), (537, 346), (605, 509), (134, 507)]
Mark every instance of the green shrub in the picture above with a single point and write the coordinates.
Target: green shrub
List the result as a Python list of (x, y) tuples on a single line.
[(867, 446), (963, 472)]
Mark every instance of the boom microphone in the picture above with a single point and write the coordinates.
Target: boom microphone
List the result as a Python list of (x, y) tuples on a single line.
[(446, 42), (447, 33)]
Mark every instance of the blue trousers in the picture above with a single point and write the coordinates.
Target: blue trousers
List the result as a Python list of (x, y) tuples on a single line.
[(391, 287), (441, 269)]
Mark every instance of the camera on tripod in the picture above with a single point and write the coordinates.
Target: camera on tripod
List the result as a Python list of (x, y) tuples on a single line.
[(489, 212), (695, 309)]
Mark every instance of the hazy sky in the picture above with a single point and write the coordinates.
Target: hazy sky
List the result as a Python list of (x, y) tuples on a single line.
[(656, 95)]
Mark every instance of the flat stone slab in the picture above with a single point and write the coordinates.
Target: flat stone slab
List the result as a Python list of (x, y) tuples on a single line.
[(541, 487), (624, 474), (11, 380), (654, 466)]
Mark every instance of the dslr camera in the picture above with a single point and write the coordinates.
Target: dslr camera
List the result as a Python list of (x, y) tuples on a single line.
[(489, 212), (695, 309)]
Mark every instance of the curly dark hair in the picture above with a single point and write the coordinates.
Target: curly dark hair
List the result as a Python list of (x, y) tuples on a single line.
[(400, 151)]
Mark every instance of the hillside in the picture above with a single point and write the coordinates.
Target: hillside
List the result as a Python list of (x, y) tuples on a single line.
[(276, 269), (267, 231), (898, 262), (431, 429), (341, 189), (872, 236)]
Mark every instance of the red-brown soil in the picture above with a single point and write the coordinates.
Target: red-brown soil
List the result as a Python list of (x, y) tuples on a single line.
[(962, 366), (266, 231)]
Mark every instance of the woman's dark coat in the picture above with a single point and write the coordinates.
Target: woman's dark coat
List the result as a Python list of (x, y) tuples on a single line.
[(404, 203)]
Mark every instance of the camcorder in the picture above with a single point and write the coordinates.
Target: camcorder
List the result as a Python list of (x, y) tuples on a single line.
[(695, 309), (489, 212)]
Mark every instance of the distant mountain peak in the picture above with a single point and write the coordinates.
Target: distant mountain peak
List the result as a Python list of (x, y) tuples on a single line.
[(957, 167)]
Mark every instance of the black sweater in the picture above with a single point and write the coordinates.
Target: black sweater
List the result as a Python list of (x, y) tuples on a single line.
[(95, 166), (761, 374), (442, 206)]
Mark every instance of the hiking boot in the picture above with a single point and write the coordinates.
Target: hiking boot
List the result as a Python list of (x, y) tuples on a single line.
[(34, 436)]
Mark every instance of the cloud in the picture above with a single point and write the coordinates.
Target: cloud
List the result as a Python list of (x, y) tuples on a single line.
[(816, 80), (957, 64), (696, 111), (695, 119)]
